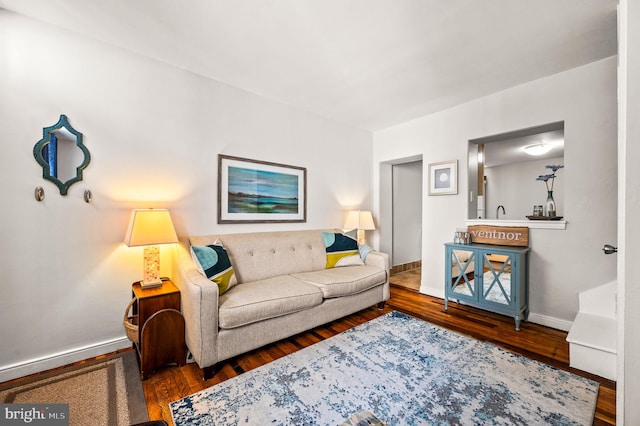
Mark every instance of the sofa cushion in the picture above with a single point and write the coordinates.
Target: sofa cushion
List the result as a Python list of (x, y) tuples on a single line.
[(342, 250), (260, 300), (339, 282), (261, 255), (213, 262)]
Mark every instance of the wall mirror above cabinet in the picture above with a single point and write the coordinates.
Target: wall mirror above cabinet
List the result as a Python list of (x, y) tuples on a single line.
[(62, 154), (502, 174)]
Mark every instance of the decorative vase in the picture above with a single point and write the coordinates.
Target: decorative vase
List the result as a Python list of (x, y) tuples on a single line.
[(550, 206)]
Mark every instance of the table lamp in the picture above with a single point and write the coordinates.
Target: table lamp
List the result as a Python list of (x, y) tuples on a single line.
[(150, 227), (362, 220)]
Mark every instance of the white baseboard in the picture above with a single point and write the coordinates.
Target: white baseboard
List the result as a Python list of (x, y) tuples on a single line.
[(547, 321), (36, 365), (430, 291), (557, 323)]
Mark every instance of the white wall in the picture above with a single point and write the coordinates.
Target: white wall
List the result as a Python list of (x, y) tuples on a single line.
[(407, 213), (154, 133), (514, 186), (563, 262)]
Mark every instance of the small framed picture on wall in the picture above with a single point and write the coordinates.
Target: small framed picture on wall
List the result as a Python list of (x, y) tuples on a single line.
[(443, 178)]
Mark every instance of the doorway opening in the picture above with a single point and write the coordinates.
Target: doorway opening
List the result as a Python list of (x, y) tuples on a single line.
[(401, 213)]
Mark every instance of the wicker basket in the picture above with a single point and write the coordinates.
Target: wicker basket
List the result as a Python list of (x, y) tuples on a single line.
[(130, 323)]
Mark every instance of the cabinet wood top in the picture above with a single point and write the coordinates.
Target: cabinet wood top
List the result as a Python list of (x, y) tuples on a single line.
[(167, 287)]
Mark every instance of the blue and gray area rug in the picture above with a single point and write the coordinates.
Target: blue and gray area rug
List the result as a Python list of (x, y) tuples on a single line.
[(403, 370)]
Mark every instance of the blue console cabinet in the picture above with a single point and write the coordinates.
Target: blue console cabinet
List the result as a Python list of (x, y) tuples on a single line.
[(490, 277)]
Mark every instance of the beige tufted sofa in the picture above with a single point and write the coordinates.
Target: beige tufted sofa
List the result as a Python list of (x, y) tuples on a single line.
[(283, 289)]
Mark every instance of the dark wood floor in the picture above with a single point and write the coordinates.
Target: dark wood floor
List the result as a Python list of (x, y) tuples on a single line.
[(534, 341)]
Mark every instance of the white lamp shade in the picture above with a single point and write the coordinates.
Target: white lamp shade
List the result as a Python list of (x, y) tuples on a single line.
[(359, 219), (150, 227)]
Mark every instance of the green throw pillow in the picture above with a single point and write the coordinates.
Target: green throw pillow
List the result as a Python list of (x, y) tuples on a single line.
[(214, 263), (341, 250)]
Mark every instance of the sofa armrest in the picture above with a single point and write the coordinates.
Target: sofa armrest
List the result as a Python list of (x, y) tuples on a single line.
[(199, 298), (380, 260)]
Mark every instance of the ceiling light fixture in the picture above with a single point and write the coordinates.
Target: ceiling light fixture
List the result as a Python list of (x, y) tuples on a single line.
[(537, 149)]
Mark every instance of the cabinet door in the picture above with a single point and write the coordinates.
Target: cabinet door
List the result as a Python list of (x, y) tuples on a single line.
[(496, 278), (463, 272)]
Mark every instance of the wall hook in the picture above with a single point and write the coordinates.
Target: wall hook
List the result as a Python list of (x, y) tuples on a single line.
[(39, 193), (88, 197)]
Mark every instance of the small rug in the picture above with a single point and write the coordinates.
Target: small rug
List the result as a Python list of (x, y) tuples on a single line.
[(405, 372), (104, 392)]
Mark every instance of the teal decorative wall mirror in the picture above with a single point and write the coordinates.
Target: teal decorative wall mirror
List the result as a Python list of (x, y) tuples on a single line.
[(62, 154)]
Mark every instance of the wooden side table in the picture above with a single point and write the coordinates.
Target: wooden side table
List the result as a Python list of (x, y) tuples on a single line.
[(160, 327)]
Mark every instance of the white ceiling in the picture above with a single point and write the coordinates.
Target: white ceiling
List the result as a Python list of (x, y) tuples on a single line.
[(367, 63), (511, 150)]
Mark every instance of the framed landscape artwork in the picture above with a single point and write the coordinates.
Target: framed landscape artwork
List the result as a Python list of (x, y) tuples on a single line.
[(443, 178), (252, 191)]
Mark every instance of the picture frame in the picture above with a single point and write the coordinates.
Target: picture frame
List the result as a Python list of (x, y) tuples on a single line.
[(254, 191), (443, 178)]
